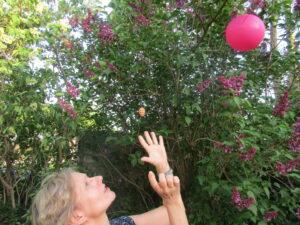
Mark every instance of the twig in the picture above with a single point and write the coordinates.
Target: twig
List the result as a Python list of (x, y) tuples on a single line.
[(209, 24)]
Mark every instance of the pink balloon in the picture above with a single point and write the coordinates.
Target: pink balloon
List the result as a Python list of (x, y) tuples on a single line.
[(245, 32)]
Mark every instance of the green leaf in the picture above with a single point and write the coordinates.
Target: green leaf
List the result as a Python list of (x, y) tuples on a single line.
[(186, 91), (59, 94), (110, 139), (267, 192), (262, 223), (11, 131), (253, 209), (250, 194), (188, 120), (197, 107), (213, 188), (30, 81), (237, 101)]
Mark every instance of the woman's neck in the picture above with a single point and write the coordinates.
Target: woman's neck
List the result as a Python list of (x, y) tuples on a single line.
[(102, 220)]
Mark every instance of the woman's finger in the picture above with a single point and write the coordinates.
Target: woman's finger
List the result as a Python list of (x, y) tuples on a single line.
[(148, 138), (143, 142), (176, 181), (170, 180), (153, 135), (147, 160), (162, 181), (161, 140), (153, 182)]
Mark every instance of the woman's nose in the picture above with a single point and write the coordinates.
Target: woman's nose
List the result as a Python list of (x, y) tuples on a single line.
[(99, 179)]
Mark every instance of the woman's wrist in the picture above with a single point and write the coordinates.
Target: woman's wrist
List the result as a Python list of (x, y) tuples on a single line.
[(163, 168), (176, 202)]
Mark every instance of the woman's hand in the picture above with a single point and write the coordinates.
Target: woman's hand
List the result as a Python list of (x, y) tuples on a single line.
[(157, 155), (168, 188)]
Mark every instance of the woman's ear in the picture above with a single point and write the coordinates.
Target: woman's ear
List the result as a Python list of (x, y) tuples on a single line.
[(77, 218)]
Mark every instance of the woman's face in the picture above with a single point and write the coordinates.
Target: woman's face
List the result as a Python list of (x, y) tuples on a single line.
[(91, 195)]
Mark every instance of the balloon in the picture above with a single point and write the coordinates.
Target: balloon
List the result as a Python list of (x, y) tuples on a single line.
[(245, 32), (142, 111)]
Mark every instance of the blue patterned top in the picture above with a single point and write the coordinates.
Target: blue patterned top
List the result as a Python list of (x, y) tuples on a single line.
[(123, 220)]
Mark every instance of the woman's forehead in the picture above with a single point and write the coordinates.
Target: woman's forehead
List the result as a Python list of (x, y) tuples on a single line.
[(78, 181), (77, 175)]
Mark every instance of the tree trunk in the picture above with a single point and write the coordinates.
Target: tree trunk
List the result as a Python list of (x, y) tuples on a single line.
[(275, 82)]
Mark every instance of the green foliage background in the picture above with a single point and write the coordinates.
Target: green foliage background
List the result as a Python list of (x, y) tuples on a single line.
[(159, 68)]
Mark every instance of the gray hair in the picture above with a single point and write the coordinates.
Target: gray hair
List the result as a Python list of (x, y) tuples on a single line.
[(54, 202)]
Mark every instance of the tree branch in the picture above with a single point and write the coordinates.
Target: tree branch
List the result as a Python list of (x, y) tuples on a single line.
[(208, 25)]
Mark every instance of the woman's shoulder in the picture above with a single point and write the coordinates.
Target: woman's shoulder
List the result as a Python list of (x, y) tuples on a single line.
[(123, 220)]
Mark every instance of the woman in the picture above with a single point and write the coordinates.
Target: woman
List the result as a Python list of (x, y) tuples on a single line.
[(72, 198)]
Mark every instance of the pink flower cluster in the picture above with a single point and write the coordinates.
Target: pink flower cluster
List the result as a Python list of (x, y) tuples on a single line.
[(236, 200), (257, 3), (234, 14), (284, 168), (106, 33), (72, 90), (97, 64), (67, 108), (248, 155), (180, 3), (112, 67), (281, 107), (225, 148), (203, 85), (234, 83), (90, 16), (140, 9), (298, 213), (297, 5), (68, 44), (142, 20), (89, 73), (85, 23), (136, 8), (74, 21), (238, 140), (294, 142), (270, 216), (254, 5)]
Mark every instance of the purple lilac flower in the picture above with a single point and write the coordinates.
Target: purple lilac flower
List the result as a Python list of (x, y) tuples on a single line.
[(86, 25), (72, 90), (202, 86), (281, 107), (74, 21), (248, 155), (294, 142), (142, 20), (106, 33), (112, 67), (223, 147), (234, 83), (89, 73), (240, 203), (136, 8), (68, 109), (270, 216), (284, 168), (298, 213), (297, 5)]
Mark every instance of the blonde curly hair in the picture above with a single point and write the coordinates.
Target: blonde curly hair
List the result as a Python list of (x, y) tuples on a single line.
[(54, 202)]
